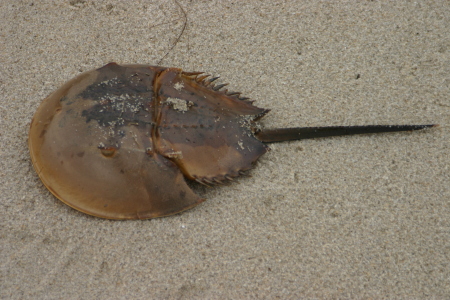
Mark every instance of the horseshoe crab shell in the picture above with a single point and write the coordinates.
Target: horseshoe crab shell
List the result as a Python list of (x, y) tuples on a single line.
[(118, 142)]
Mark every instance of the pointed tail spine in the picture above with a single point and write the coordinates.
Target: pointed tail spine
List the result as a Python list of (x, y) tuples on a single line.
[(299, 133)]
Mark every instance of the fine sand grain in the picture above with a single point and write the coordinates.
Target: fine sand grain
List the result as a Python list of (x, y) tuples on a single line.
[(347, 217)]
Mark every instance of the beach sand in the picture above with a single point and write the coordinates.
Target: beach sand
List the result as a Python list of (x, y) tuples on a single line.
[(344, 217)]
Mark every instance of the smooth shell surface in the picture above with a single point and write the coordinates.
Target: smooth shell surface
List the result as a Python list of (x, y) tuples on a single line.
[(119, 141)]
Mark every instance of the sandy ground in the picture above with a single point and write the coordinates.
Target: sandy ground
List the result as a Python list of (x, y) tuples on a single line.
[(348, 217)]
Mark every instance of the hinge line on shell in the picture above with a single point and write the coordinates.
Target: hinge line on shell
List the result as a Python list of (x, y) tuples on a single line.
[(157, 108)]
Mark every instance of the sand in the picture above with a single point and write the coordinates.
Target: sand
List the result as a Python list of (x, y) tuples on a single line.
[(345, 217)]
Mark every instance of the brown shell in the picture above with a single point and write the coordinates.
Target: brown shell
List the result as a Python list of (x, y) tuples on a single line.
[(118, 142)]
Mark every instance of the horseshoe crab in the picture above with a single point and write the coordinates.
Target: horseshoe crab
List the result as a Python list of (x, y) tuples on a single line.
[(118, 142)]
